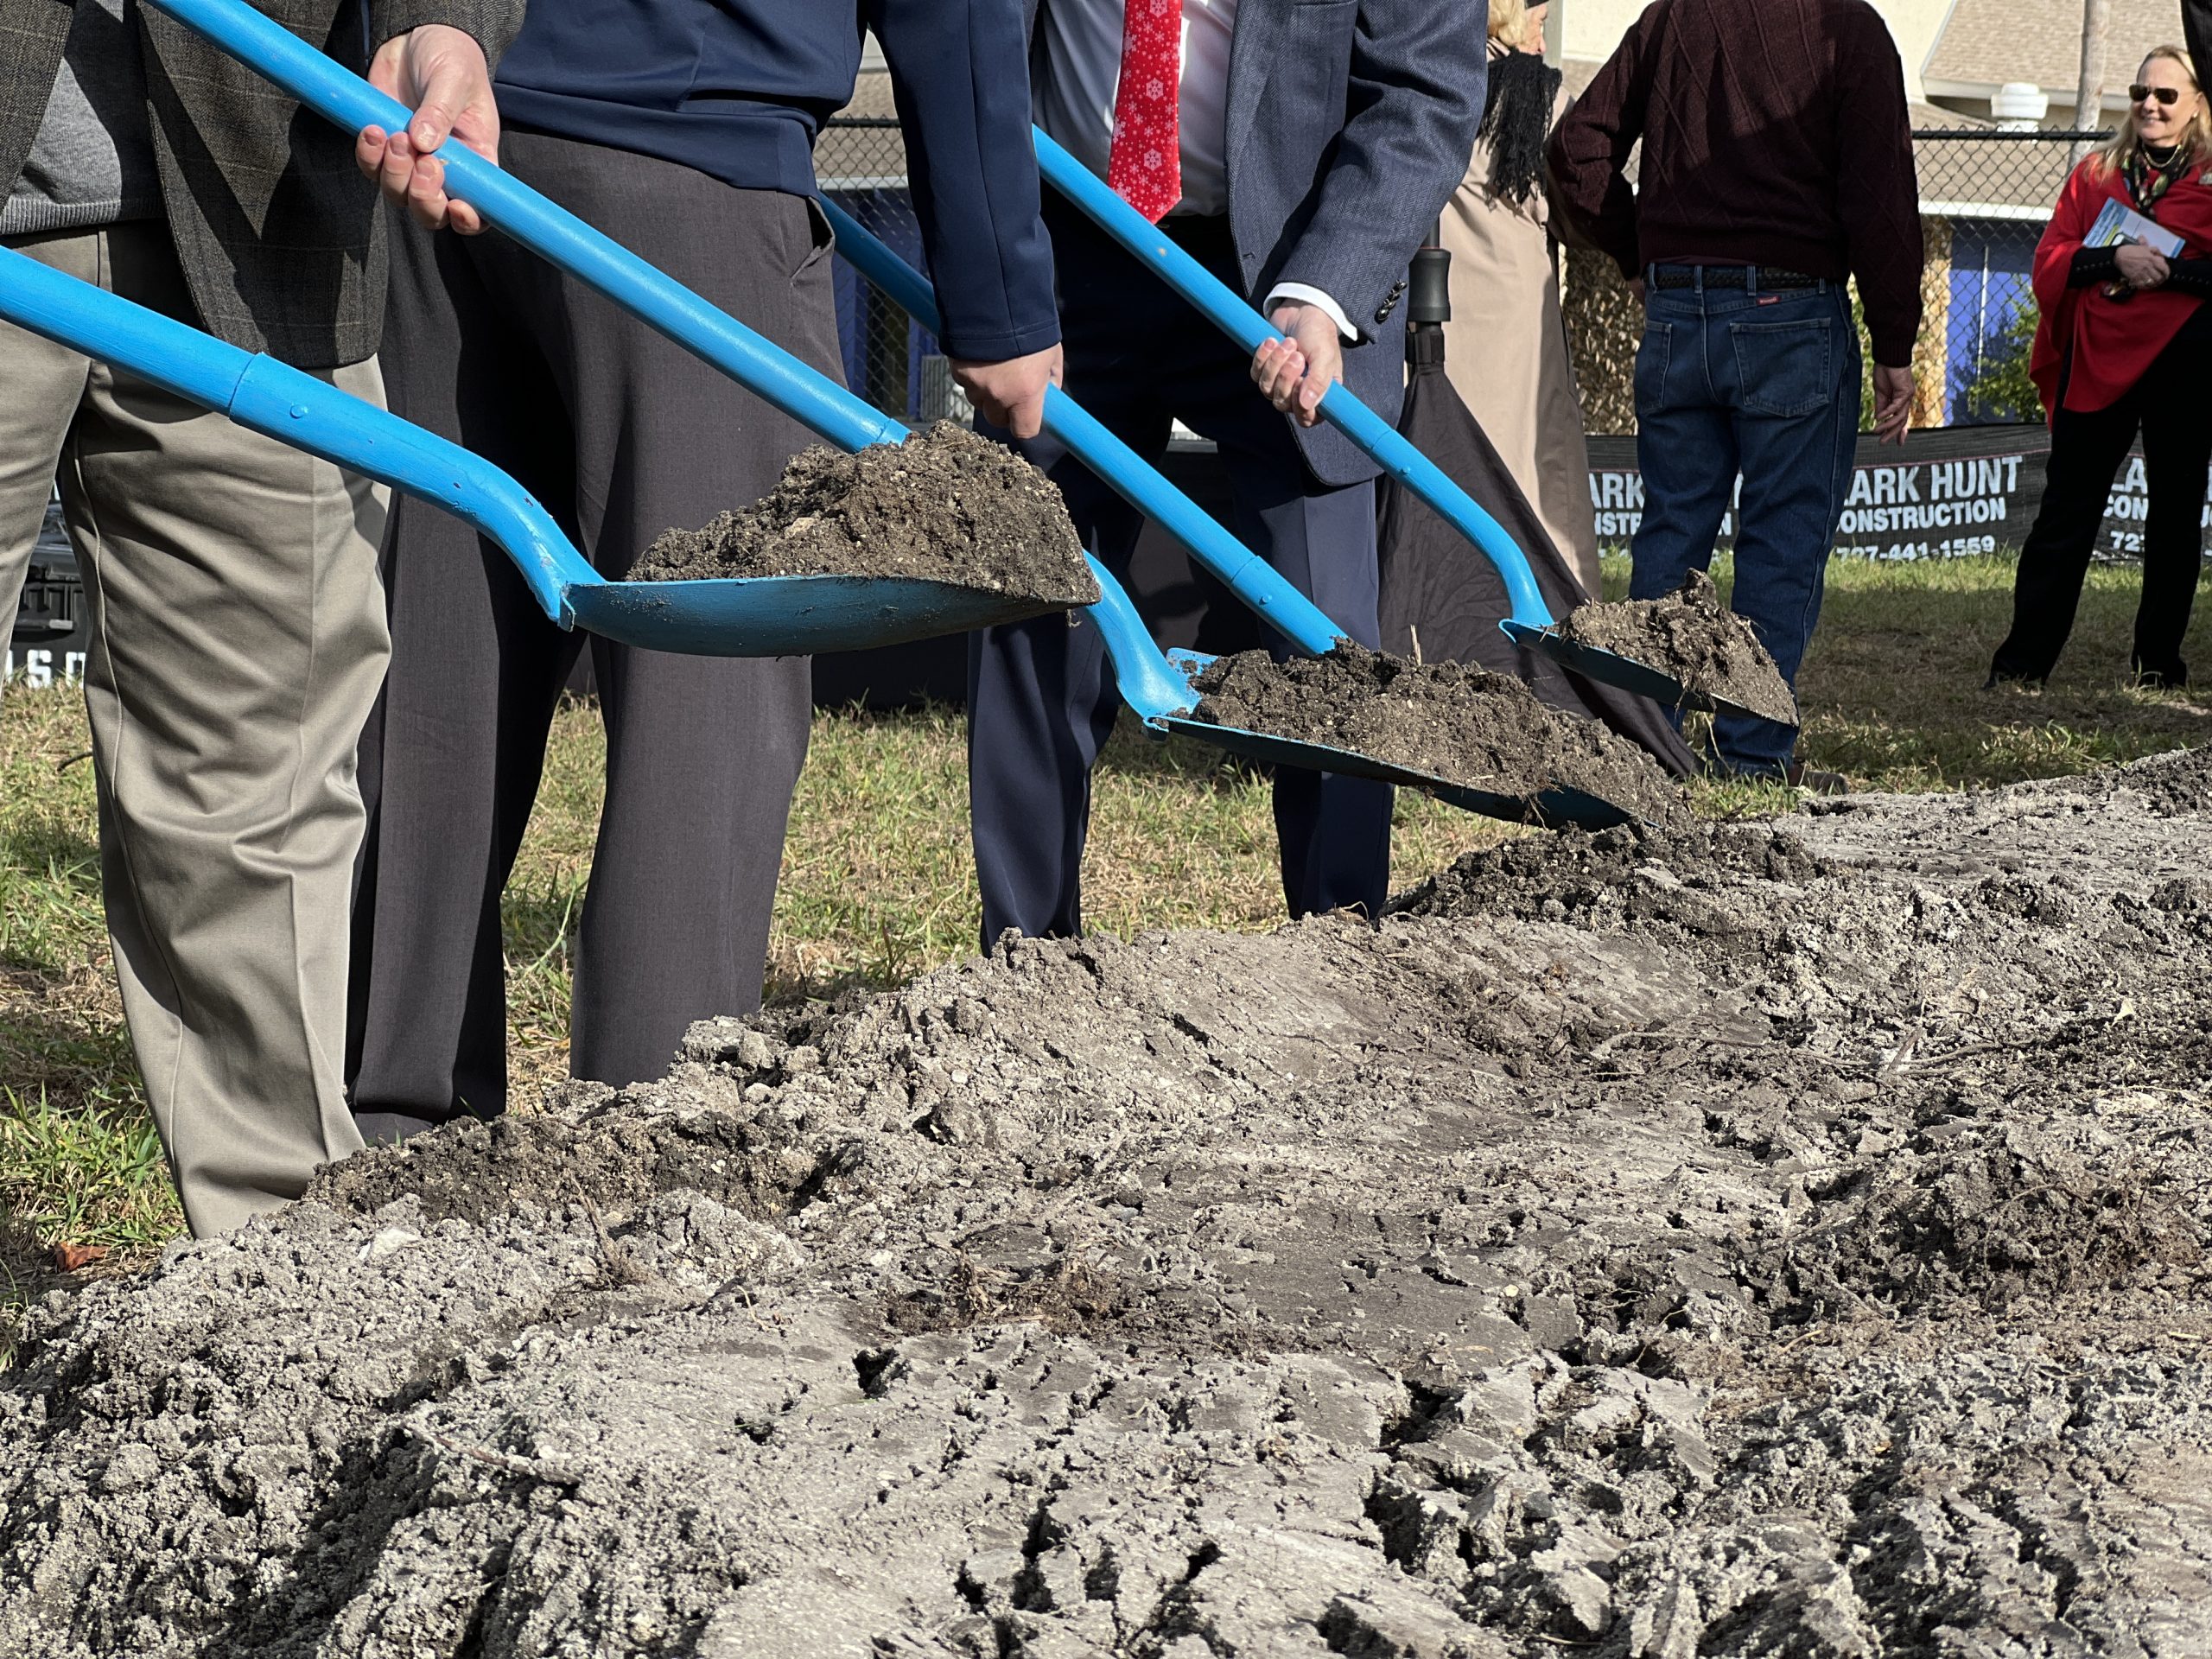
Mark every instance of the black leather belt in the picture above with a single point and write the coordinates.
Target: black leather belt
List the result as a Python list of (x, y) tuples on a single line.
[(1730, 277)]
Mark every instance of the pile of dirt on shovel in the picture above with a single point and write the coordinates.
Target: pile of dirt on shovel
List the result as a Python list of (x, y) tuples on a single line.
[(1460, 723), (946, 505), (1723, 1243), (1692, 638)]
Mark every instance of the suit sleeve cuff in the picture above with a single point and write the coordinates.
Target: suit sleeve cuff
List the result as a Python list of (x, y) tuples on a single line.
[(1305, 295), (999, 346)]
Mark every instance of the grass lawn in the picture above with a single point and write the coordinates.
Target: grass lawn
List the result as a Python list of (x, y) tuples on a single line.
[(877, 884)]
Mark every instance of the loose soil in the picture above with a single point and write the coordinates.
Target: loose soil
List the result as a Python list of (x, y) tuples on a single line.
[(1460, 723), (1752, 1240), (946, 506), (1694, 638)]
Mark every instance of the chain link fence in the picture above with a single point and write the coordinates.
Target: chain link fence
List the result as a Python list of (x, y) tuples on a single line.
[(890, 360), (1986, 196)]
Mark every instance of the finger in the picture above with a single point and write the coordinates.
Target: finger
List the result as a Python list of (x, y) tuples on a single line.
[(463, 220), (368, 151), (398, 165), (1028, 418), (446, 91), (426, 194)]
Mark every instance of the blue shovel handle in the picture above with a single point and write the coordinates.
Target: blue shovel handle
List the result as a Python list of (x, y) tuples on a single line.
[(1251, 578), (295, 409), (345, 99), (1149, 683), (1229, 313)]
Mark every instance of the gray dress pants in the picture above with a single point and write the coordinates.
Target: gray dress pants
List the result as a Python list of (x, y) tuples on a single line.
[(238, 643), (621, 434)]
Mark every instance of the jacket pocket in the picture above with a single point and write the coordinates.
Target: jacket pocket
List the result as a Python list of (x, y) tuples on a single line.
[(1653, 357), (1787, 368)]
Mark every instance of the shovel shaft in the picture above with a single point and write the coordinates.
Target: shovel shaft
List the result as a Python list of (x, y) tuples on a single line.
[(1228, 311), (559, 236), (1147, 680), (295, 409), (1251, 578)]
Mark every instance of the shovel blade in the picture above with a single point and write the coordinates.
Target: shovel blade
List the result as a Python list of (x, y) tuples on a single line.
[(1551, 808), (788, 616), (1611, 668)]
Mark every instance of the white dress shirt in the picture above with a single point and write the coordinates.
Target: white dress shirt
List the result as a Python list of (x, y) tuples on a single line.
[(1082, 41)]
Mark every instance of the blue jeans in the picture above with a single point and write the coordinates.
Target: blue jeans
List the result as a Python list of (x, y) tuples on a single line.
[(1763, 384)]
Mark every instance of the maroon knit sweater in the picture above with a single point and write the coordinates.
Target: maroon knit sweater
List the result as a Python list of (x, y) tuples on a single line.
[(1774, 133)]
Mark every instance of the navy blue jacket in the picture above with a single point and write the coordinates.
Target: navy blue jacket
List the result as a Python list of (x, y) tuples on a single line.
[(1350, 123), (737, 89)]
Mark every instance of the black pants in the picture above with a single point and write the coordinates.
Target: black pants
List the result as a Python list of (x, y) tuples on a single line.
[(1041, 696), (2168, 406), (621, 435)]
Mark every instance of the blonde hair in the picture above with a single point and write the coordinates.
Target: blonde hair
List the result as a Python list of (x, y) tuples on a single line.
[(1509, 22), (2195, 140)]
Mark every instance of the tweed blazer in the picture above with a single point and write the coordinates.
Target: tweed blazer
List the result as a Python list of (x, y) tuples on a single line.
[(1350, 125), (280, 237)]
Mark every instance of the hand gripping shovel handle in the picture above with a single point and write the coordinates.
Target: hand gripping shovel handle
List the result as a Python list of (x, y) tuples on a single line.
[(559, 236), (295, 409), (1229, 313), (1251, 578)]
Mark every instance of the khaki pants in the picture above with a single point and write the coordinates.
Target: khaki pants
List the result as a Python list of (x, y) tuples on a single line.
[(238, 643)]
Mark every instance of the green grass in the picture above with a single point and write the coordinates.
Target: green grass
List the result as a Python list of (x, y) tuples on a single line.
[(878, 884), (1892, 688)]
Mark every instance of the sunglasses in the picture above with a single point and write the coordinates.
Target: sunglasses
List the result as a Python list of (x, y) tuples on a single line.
[(2167, 96)]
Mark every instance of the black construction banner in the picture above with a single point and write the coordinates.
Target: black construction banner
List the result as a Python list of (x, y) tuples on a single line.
[(1947, 494)]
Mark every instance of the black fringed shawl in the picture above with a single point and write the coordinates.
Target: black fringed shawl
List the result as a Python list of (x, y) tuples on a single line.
[(1517, 120)]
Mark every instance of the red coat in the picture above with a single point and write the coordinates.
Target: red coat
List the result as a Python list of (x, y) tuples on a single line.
[(2114, 341)]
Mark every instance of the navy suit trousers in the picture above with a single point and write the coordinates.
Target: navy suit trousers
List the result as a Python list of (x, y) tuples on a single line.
[(1041, 695)]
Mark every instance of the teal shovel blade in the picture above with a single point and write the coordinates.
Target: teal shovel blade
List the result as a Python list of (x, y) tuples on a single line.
[(790, 616), (1611, 668), (1549, 808)]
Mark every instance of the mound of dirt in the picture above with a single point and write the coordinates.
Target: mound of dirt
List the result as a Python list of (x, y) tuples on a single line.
[(946, 505), (1725, 1242), (1457, 721), (1694, 638)]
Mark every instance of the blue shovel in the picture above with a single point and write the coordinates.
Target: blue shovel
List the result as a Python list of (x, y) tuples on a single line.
[(1531, 624), (766, 616), (750, 617), (1155, 689)]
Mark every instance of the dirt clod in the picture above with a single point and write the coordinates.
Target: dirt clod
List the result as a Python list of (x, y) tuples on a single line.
[(1461, 722), (1694, 639), (1725, 1241), (946, 506)]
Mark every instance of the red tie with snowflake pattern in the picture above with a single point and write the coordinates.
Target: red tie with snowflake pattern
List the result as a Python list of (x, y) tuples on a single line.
[(1145, 168)]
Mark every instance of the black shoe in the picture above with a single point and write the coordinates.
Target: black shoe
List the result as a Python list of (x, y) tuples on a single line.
[(1814, 781), (1999, 679), (2167, 676), (389, 1129)]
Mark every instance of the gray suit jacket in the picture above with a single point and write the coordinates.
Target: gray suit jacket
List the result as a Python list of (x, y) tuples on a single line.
[(281, 239), (1350, 125)]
